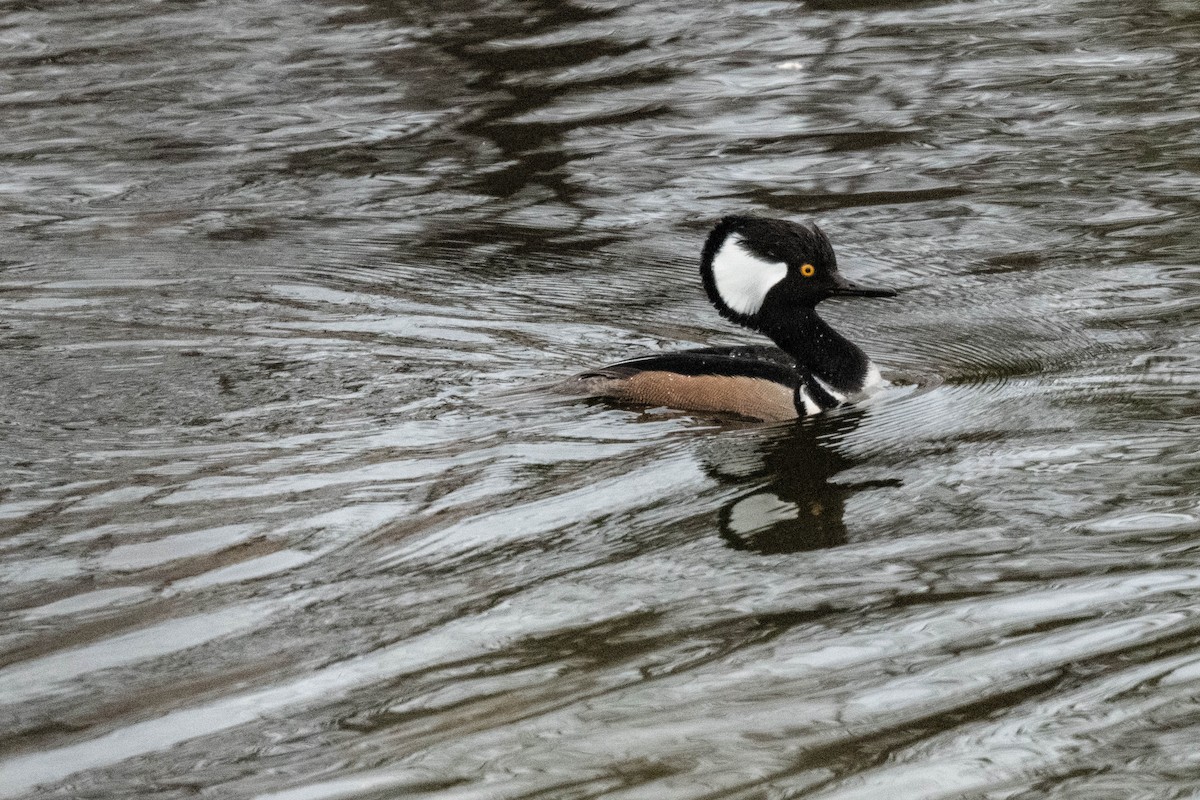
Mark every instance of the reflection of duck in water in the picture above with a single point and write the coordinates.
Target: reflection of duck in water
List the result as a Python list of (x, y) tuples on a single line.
[(767, 275), (793, 500)]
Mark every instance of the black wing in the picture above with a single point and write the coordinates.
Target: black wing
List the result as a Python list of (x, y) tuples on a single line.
[(769, 363)]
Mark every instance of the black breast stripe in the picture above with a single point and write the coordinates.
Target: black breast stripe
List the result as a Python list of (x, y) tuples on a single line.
[(819, 394)]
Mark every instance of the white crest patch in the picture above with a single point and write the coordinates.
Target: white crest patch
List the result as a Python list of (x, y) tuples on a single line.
[(742, 279)]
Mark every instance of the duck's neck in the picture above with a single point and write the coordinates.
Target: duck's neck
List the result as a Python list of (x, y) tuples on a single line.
[(823, 351)]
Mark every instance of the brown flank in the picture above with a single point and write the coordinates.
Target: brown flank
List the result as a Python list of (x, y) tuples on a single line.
[(756, 398)]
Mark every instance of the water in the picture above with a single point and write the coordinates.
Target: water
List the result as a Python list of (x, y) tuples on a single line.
[(285, 516)]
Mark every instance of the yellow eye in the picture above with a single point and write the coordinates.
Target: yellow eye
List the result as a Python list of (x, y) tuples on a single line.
[(807, 270)]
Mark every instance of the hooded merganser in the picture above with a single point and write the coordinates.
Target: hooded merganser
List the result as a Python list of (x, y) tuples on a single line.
[(767, 275)]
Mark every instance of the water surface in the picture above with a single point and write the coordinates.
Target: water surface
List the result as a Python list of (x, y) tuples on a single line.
[(285, 516)]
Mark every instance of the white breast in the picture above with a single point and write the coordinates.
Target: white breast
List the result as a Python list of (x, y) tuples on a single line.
[(742, 279), (873, 380)]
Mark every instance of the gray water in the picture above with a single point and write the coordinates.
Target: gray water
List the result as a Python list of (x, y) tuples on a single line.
[(286, 514)]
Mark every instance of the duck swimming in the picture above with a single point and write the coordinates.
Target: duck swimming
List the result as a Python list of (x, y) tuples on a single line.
[(767, 275)]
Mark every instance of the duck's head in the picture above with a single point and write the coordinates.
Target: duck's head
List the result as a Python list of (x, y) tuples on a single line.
[(754, 268)]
